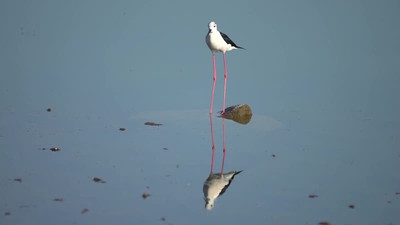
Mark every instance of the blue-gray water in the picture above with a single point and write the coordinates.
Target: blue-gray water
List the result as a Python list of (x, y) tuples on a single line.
[(322, 79)]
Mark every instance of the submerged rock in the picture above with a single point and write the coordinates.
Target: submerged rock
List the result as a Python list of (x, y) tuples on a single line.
[(239, 113)]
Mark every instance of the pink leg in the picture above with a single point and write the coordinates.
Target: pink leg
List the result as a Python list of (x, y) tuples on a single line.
[(226, 76), (224, 145), (214, 81)]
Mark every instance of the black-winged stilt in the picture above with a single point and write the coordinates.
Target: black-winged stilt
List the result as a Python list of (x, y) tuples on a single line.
[(219, 42)]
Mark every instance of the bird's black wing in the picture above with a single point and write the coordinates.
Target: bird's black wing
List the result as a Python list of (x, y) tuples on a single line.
[(228, 40), (229, 183)]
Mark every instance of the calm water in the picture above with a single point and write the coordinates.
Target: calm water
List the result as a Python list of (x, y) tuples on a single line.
[(77, 87)]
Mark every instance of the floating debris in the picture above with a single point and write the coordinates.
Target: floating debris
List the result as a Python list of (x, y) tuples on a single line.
[(313, 196), (152, 124), (145, 195), (48, 110), (122, 129), (18, 180), (324, 223), (273, 155), (99, 180), (398, 193), (165, 149), (85, 210), (54, 149), (7, 213), (351, 206), (163, 219), (58, 199)]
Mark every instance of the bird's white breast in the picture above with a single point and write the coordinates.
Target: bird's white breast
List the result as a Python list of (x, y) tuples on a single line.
[(216, 43)]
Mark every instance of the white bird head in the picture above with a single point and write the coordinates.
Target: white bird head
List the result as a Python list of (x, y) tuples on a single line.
[(212, 25), (209, 204)]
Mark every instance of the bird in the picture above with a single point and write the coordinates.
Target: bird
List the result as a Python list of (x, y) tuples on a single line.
[(219, 42), (215, 185)]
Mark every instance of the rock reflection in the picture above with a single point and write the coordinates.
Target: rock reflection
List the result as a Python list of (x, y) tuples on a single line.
[(239, 113), (217, 183)]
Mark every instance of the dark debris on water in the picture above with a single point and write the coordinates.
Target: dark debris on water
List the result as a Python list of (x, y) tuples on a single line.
[(145, 195), (153, 124), (54, 149), (99, 180), (85, 210), (324, 223)]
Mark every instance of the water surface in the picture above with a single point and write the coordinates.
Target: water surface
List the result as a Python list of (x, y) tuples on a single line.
[(78, 83)]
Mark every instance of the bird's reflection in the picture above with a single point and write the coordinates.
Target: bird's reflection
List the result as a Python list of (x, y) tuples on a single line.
[(217, 183)]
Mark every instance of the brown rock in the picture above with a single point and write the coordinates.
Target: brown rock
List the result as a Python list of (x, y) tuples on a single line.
[(239, 113)]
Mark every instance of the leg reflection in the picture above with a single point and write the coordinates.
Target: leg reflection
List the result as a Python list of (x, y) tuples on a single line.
[(213, 144), (217, 183), (224, 145)]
